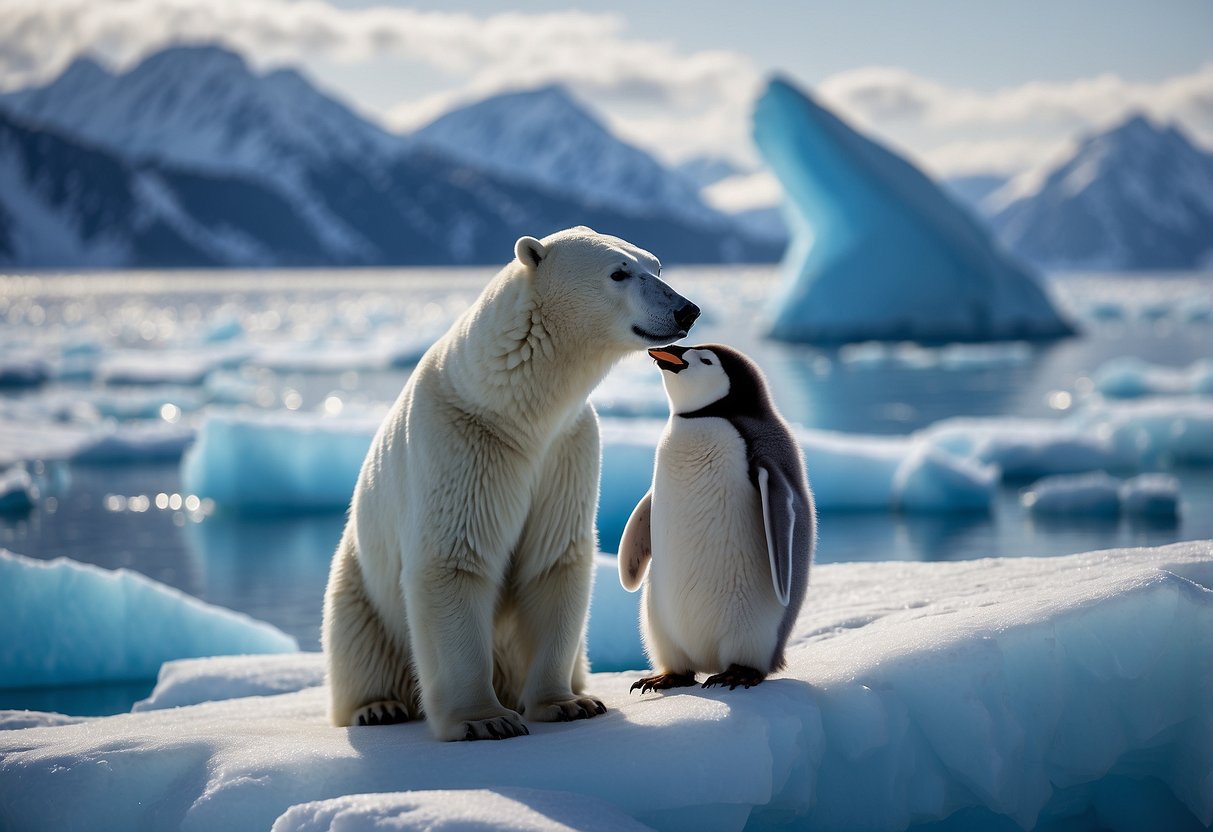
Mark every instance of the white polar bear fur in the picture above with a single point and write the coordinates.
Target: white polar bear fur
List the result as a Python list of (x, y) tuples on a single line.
[(461, 585)]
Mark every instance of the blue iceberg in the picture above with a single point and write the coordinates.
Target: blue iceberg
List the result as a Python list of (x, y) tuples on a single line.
[(72, 623), (878, 251)]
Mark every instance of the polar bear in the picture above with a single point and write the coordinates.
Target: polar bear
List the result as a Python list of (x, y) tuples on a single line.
[(460, 588)]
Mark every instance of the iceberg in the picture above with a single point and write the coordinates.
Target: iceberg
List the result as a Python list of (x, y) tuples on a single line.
[(282, 462), (285, 462), (1068, 692), (878, 251), (71, 623)]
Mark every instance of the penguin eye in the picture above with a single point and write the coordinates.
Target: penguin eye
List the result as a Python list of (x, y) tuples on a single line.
[(619, 275), (708, 361)]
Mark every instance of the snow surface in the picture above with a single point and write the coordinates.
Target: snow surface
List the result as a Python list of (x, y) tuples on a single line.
[(548, 137), (878, 251), (67, 622), (1102, 495), (1129, 377), (1028, 691), (511, 810)]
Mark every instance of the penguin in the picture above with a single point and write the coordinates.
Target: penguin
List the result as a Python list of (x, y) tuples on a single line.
[(726, 533)]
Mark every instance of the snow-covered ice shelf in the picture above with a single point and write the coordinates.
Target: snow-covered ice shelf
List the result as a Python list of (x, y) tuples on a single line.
[(992, 693)]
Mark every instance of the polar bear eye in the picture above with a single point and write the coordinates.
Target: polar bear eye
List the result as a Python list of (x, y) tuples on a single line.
[(619, 275)]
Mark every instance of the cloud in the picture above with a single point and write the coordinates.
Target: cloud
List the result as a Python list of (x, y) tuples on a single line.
[(671, 101), (39, 39), (887, 96)]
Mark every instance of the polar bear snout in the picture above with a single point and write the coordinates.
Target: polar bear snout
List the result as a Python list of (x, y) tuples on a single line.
[(666, 316), (686, 316)]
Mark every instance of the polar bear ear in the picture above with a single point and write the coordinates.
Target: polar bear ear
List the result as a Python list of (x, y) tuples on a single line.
[(529, 252)]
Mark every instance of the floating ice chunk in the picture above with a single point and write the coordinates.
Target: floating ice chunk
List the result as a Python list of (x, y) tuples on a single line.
[(1130, 377), (134, 442), (18, 494), (1151, 433), (1094, 494), (23, 371), (1025, 448), (912, 356), (1150, 495), (516, 810), (268, 462), (67, 622), (186, 367), (878, 250), (1040, 692), (214, 678), (1101, 495)]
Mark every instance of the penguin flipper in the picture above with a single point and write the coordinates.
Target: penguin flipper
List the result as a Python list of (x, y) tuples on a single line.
[(779, 509), (636, 545)]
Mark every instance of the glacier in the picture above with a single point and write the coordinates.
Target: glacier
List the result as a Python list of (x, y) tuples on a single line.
[(68, 623), (878, 251), (1065, 693)]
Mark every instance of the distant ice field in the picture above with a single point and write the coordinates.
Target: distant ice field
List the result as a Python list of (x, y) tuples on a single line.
[(104, 379)]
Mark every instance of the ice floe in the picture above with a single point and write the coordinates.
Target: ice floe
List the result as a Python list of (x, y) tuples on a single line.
[(990, 694), (67, 622)]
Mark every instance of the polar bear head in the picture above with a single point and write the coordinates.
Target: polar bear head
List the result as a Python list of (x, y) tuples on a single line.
[(604, 289)]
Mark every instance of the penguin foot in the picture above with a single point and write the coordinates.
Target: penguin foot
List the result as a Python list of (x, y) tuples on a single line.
[(664, 681), (735, 676)]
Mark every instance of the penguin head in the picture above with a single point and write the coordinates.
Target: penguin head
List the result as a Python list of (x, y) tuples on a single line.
[(694, 377)]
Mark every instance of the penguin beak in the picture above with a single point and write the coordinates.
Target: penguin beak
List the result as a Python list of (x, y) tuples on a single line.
[(670, 358)]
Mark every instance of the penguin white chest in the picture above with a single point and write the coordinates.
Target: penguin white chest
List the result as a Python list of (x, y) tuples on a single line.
[(710, 594)]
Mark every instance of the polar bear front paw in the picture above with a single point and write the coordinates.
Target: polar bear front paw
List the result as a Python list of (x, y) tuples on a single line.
[(386, 712), (494, 728), (566, 710)]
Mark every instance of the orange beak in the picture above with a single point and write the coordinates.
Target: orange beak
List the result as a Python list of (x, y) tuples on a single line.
[(668, 357)]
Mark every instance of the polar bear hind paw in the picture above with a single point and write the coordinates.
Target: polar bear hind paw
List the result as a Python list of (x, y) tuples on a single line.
[(566, 710), (386, 712)]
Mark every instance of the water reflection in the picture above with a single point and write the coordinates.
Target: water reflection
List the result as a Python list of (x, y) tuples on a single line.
[(273, 568)]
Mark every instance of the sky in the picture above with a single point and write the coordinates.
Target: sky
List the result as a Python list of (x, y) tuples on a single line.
[(961, 87)]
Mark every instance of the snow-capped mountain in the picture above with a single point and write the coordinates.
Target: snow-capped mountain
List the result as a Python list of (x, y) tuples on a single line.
[(203, 107), (194, 127), (546, 138), (64, 203), (1138, 196)]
